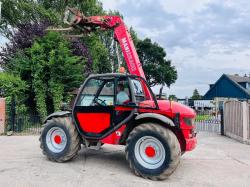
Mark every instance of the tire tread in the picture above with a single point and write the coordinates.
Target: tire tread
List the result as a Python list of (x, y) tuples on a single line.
[(75, 145), (174, 146)]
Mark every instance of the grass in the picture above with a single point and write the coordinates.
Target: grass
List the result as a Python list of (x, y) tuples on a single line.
[(203, 117)]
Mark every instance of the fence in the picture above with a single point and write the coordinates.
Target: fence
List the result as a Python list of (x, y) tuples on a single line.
[(237, 120), (23, 124), (248, 127), (207, 119)]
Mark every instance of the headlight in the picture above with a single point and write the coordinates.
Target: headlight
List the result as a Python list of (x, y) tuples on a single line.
[(189, 121)]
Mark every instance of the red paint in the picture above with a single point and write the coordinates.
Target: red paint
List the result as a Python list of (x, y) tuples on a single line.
[(58, 139), (122, 35), (165, 109), (114, 137), (191, 143), (134, 66), (94, 122), (123, 108), (150, 151)]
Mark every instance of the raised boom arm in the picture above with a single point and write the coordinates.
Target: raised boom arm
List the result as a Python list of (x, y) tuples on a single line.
[(88, 24)]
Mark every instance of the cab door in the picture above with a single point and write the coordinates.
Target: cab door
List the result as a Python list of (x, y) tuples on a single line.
[(94, 108)]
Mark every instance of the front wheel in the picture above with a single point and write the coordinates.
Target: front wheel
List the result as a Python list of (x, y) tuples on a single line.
[(152, 151), (59, 139)]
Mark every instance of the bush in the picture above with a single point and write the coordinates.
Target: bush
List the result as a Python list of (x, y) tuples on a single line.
[(11, 85), (55, 71), (51, 65)]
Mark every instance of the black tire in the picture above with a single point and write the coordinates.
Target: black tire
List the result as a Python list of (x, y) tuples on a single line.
[(168, 141), (72, 145)]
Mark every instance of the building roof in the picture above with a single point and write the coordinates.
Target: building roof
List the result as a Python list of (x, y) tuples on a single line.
[(238, 78), (229, 86)]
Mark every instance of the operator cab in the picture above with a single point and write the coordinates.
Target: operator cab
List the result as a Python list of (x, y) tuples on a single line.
[(107, 101)]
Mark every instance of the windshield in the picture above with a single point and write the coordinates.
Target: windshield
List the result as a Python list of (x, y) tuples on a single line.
[(97, 89)]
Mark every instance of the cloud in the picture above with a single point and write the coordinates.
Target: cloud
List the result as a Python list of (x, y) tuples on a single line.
[(184, 7), (204, 39), (112, 4)]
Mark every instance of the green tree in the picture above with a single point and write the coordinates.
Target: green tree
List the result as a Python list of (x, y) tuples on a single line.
[(11, 85), (97, 42), (51, 71), (53, 65), (13, 89), (88, 7), (99, 54), (158, 70), (48, 65), (15, 12), (196, 94), (115, 55)]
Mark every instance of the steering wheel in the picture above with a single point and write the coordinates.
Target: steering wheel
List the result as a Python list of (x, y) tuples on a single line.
[(100, 102)]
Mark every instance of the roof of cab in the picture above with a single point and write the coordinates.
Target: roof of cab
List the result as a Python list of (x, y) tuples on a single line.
[(112, 75)]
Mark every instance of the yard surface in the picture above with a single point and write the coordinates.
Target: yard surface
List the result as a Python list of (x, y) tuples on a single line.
[(217, 161)]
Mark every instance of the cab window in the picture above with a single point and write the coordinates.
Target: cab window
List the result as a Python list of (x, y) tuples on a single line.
[(89, 91), (97, 91), (138, 90), (143, 98), (106, 96)]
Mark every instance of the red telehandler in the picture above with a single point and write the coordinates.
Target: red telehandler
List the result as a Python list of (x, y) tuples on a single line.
[(120, 109)]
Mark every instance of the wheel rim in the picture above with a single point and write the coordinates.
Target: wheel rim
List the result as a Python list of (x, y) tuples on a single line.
[(56, 139), (149, 152)]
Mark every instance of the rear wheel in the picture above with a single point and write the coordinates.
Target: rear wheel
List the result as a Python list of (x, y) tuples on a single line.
[(152, 151), (59, 139)]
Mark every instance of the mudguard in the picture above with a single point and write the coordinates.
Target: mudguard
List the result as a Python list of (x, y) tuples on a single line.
[(160, 117), (57, 114)]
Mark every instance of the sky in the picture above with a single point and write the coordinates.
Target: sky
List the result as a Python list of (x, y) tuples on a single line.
[(3, 40), (203, 38)]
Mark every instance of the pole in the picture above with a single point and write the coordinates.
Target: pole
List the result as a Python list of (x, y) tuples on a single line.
[(13, 113), (221, 122), (2, 116)]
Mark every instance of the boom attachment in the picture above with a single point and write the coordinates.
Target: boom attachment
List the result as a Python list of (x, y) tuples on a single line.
[(77, 20)]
